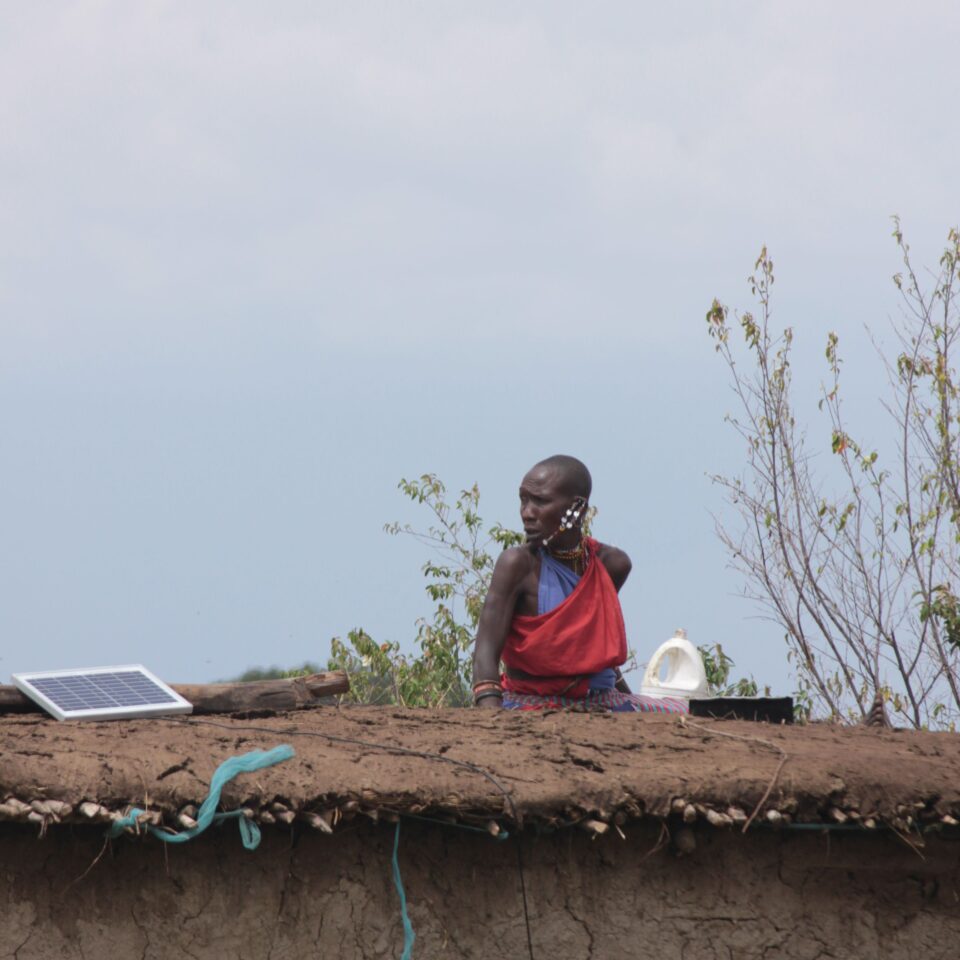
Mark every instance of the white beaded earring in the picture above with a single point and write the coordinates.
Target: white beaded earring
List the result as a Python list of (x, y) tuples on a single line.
[(570, 519)]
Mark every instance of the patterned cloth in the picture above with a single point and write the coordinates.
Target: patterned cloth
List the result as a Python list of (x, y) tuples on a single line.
[(601, 701)]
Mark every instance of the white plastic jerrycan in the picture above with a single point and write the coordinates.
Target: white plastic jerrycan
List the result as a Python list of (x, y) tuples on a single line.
[(685, 676)]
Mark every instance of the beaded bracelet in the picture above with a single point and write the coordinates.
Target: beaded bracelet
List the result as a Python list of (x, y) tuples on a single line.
[(486, 695)]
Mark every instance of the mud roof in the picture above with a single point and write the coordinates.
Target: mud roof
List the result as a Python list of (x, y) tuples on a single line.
[(486, 768)]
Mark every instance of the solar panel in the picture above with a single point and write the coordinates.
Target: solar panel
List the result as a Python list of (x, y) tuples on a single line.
[(101, 693)]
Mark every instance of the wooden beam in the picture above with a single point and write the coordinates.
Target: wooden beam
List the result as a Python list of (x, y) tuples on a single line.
[(288, 694)]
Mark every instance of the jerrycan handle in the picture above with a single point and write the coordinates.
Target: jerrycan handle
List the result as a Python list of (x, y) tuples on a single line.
[(685, 673)]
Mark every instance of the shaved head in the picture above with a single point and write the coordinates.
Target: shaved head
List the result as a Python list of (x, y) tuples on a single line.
[(574, 476)]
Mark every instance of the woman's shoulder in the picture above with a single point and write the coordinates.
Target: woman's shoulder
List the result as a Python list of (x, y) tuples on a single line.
[(616, 561), (516, 561)]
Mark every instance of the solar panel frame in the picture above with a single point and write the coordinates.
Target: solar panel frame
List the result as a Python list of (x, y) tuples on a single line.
[(101, 693)]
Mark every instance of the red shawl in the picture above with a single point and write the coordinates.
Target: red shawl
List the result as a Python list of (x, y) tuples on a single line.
[(562, 648)]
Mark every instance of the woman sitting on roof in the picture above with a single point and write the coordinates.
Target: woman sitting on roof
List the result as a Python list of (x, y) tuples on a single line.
[(552, 613)]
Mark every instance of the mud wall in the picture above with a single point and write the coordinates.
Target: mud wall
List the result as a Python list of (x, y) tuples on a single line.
[(305, 895)]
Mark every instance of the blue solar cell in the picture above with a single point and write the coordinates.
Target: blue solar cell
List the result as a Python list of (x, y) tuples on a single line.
[(89, 691)]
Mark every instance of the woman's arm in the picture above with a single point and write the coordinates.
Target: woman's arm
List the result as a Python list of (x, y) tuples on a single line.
[(511, 568)]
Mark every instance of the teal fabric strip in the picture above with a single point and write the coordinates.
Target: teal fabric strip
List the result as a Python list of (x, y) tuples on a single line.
[(408, 935), (230, 768)]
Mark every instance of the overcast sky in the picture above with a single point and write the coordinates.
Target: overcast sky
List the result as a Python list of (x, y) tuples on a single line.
[(259, 261)]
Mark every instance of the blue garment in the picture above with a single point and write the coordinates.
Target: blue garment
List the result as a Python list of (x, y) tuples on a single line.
[(557, 582)]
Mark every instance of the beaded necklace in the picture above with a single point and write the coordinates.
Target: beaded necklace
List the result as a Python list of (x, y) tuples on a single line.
[(578, 555)]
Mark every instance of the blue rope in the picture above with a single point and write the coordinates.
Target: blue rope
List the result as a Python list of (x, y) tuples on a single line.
[(408, 935), (249, 831)]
